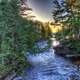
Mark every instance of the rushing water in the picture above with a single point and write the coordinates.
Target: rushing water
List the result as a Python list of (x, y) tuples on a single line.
[(49, 66)]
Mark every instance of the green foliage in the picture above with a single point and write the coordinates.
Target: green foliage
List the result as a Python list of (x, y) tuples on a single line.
[(17, 36), (60, 11), (9, 23), (74, 45), (71, 29), (46, 31)]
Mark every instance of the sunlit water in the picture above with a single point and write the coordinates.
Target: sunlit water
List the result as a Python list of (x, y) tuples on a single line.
[(49, 66)]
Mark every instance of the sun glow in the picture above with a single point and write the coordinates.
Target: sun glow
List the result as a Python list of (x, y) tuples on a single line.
[(39, 18), (56, 27)]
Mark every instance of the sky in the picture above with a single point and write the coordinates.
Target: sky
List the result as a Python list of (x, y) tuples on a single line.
[(42, 9)]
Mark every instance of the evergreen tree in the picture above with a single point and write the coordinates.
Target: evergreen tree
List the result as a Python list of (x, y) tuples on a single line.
[(71, 28), (60, 11), (17, 36)]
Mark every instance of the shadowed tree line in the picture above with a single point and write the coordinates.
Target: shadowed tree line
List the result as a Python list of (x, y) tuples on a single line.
[(70, 34), (17, 36)]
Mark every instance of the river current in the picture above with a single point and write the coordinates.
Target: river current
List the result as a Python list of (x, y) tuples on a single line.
[(49, 66)]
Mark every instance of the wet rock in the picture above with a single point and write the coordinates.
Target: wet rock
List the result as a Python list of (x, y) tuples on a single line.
[(74, 77), (18, 78), (60, 50)]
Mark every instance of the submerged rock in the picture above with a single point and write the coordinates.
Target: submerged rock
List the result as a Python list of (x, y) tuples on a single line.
[(41, 57), (18, 78)]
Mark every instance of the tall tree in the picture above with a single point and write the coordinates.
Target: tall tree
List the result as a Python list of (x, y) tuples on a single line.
[(71, 30), (17, 36), (60, 11)]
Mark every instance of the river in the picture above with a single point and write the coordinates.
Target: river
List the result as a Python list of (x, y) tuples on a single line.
[(49, 66)]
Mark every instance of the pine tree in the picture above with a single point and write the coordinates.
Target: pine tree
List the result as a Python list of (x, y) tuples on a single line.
[(17, 36), (71, 28), (60, 11)]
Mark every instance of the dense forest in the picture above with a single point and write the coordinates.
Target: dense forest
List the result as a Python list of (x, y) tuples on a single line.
[(70, 34), (19, 35)]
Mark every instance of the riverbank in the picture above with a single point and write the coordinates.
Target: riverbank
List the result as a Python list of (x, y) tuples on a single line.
[(66, 52), (48, 65)]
